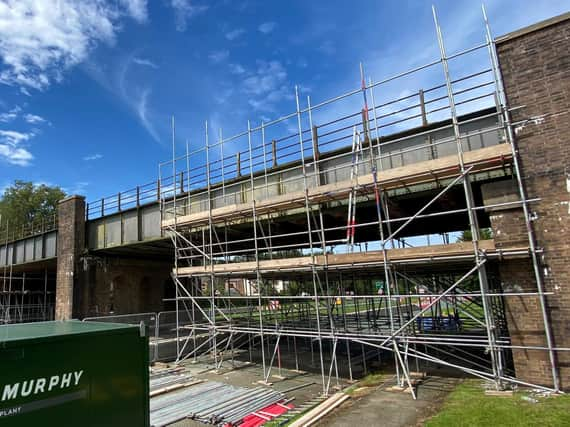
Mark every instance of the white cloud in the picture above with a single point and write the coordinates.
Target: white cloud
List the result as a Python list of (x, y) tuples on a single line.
[(267, 27), (11, 141), (39, 40), (15, 156), (10, 151), (8, 117), (134, 96), (218, 56), (143, 113), (234, 34), (137, 9), (92, 157), (13, 137), (267, 77), (34, 119), (184, 10), (144, 62), (236, 69), (267, 86), (11, 115)]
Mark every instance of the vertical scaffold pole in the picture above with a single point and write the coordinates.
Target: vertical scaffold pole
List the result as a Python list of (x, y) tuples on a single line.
[(214, 331), (310, 233), (192, 287), (496, 361), (259, 279), (174, 241)]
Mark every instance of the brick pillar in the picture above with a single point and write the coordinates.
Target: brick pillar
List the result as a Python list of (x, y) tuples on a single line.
[(70, 246), (534, 64), (523, 313)]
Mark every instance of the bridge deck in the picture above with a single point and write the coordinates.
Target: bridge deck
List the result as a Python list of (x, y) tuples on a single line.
[(426, 171), (421, 254)]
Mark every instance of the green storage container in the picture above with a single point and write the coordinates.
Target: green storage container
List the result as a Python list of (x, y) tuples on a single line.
[(73, 374)]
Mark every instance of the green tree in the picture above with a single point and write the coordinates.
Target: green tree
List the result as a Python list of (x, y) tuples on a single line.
[(467, 236), (23, 202)]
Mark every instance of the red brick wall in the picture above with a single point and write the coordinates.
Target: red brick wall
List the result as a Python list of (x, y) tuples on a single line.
[(536, 74)]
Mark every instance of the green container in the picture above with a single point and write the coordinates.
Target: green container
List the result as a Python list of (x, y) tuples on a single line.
[(73, 374)]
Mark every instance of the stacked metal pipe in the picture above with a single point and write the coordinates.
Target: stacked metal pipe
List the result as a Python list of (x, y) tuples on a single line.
[(211, 403), (168, 378)]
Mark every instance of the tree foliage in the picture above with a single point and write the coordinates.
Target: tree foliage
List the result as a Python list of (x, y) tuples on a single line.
[(467, 236), (24, 202)]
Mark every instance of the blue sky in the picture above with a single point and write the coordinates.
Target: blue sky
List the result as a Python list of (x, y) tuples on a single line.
[(87, 88)]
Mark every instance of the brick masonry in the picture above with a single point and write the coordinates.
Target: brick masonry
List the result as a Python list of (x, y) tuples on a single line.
[(88, 285), (535, 65), (115, 285), (70, 245)]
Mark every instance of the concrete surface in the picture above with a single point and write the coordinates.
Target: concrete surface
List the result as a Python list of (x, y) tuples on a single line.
[(392, 409)]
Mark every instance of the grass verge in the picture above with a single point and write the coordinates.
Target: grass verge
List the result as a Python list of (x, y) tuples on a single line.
[(468, 405)]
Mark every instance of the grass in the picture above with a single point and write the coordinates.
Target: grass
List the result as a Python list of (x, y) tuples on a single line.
[(370, 380), (468, 405)]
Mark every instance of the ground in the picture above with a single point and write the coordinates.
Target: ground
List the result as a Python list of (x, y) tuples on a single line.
[(248, 375), (442, 400), (468, 405), (445, 402), (391, 409)]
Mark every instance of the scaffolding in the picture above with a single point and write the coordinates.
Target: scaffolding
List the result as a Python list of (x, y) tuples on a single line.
[(355, 283), (25, 296)]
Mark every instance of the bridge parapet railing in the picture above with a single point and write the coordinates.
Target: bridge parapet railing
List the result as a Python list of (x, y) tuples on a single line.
[(132, 198), (10, 233)]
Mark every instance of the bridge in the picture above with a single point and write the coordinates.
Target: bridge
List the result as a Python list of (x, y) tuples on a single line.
[(130, 222), (126, 229), (358, 207)]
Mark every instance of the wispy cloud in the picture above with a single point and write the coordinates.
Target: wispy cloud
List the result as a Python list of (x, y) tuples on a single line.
[(15, 113), (184, 10), (236, 69), (134, 96), (136, 8), (267, 27), (267, 86), (234, 34), (13, 137), (218, 56), (34, 119), (143, 113), (10, 115), (144, 62), (92, 157), (42, 39), (10, 149)]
